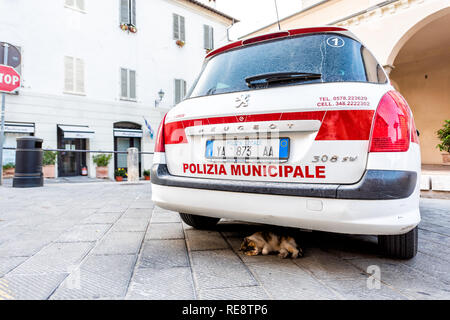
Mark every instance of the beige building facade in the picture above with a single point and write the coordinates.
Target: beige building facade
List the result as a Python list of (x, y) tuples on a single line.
[(410, 38)]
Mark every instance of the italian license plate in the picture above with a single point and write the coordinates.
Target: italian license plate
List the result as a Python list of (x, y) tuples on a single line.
[(257, 149)]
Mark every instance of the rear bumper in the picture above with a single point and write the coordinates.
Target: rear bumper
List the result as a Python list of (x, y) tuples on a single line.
[(369, 217), (374, 185), (384, 206)]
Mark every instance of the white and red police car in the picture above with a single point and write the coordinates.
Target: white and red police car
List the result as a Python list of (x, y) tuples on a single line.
[(298, 128)]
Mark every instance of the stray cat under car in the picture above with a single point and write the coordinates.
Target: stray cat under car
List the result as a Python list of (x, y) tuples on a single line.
[(266, 242)]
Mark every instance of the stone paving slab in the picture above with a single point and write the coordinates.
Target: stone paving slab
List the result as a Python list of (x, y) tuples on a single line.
[(138, 213), (162, 254), (9, 263), (323, 265), (55, 258), (164, 216), (85, 232), (406, 280), (30, 287), (205, 240), (356, 289), (289, 282), (98, 276), (220, 269), (119, 242), (161, 231), (130, 224), (235, 293), (174, 283), (102, 218)]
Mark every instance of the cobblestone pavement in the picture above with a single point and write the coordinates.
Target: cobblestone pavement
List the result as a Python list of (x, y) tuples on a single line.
[(108, 241)]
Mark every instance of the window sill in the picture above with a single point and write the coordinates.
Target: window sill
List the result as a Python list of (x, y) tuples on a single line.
[(128, 99), (75, 9), (75, 93)]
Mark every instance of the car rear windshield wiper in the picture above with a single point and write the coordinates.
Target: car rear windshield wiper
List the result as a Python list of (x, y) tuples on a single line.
[(276, 77)]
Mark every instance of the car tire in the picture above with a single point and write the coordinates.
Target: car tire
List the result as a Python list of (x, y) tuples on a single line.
[(402, 246), (199, 222)]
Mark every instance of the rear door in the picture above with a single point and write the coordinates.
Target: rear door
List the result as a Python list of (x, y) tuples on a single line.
[(309, 130)]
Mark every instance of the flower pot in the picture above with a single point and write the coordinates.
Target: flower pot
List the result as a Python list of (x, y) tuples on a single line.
[(101, 172), (9, 173), (120, 178), (147, 177), (446, 159), (48, 171)]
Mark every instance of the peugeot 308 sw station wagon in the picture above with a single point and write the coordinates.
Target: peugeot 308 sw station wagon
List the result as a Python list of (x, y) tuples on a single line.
[(299, 128)]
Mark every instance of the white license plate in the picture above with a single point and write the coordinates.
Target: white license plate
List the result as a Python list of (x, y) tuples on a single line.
[(264, 149)]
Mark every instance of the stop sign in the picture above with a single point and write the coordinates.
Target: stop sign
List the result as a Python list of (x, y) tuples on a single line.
[(9, 79)]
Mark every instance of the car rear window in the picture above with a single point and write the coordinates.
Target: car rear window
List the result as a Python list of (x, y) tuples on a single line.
[(336, 57)]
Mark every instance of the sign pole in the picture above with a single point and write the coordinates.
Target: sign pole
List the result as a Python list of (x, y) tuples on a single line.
[(2, 131)]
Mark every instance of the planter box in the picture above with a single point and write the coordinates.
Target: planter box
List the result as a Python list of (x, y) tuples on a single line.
[(147, 177), (101, 172), (9, 173), (49, 171), (119, 179)]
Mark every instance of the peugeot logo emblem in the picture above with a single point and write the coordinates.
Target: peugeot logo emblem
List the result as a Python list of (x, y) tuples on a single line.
[(242, 100)]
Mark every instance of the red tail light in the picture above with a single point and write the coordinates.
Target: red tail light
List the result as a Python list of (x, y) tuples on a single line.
[(160, 143), (391, 128)]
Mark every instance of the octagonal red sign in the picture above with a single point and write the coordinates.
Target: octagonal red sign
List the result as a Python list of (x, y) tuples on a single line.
[(9, 79)]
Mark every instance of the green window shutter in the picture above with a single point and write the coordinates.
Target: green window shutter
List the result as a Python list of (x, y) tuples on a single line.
[(176, 28), (132, 78), (133, 12), (205, 36), (69, 74), (79, 75), (80, 4), (182, 29), (177, 91), (211, 37), (124, 12), (123, 83)]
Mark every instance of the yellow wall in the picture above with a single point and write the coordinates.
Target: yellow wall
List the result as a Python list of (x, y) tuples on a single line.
[(428, 98)]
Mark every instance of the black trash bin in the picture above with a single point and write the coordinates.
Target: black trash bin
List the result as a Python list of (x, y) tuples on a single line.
[(28, 171)]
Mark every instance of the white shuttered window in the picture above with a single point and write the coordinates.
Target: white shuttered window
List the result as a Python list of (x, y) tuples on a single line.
[(73, 75), (208, 37), (180, 90), (179, 32), (127, 84)]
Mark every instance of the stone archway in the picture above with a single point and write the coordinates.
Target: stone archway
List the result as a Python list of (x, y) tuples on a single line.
[(421, 61)]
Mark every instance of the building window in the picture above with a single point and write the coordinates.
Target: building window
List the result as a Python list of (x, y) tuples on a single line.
[(178, 28), (180, 90), (73, 75), (208, 37), (128, 12), (75, 4), (127, 84)]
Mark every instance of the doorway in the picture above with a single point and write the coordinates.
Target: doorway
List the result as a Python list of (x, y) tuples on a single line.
[(126, 135), (70, 163)]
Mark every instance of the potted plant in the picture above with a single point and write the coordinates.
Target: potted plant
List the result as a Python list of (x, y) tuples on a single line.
[(119, 174), (8, 170), (102, 161), (147, 174), (444, 135), (180, 43), (132, 28), (48, 163)]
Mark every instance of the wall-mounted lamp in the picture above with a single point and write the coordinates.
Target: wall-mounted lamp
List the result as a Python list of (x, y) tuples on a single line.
[(161, 96)]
